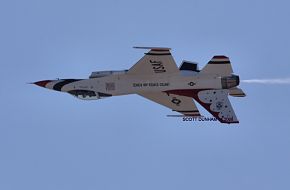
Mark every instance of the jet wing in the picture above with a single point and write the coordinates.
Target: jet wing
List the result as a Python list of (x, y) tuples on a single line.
[(156, 61), (214, 101), (182, 104), (218, 104)]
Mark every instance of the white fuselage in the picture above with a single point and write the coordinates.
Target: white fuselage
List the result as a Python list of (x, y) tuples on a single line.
[(123, 84), (156, 77)]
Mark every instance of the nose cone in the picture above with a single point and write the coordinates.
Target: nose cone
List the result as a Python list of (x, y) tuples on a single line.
[(42, 83)]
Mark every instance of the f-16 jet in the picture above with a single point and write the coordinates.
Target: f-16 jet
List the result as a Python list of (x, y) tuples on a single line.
[(156, 77)]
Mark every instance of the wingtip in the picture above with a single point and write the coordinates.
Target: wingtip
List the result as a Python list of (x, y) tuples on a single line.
[(153, 48)]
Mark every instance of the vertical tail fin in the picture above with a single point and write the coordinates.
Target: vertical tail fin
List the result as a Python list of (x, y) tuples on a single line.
[(219, 65)]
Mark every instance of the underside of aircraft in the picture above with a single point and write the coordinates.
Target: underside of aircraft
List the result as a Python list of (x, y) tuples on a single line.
[(156, 77)]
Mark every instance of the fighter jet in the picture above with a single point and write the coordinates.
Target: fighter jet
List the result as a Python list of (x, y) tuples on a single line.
[(156, 77)]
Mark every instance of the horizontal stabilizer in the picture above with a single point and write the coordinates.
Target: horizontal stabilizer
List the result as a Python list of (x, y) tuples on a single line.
[(236, 92)]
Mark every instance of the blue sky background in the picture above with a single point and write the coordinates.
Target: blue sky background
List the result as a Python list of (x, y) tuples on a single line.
[(50, 140)]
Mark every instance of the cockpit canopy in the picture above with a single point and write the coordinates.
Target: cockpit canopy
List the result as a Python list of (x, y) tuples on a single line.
[(188, 68), (99, 74)]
